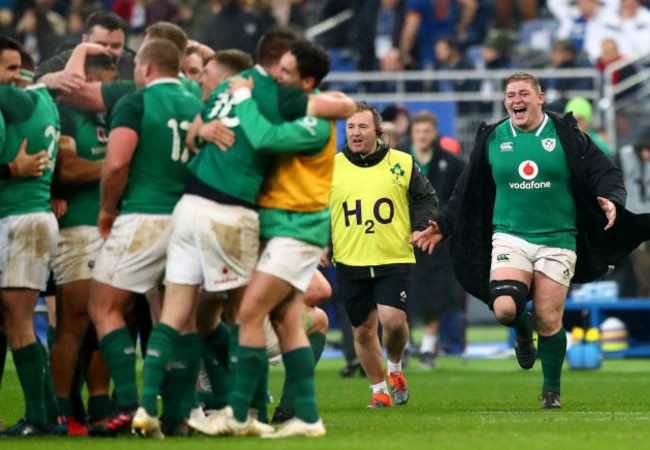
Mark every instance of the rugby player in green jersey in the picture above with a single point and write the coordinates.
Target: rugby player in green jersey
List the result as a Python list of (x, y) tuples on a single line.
[(24, 165), (294, 224), (102, 97), (539, 205), (216, 219), (145, 167), (28, 232), (82, 148)]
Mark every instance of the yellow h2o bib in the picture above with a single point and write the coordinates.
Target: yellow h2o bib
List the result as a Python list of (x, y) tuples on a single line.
[(370, 211)]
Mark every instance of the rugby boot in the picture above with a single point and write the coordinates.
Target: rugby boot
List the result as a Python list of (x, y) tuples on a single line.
[(550, 400), (297, 427), (525, 348), (398, 388)]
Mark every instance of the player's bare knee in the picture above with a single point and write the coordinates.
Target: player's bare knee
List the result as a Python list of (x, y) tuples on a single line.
[(319, 321), (505, 310), (508, 299)]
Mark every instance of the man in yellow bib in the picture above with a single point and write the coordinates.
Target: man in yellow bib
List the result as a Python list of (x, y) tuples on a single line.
[(371, 227)]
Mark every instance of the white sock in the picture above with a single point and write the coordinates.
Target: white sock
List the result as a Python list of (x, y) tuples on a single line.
[(380, 388), (394, 367), (428, 344)]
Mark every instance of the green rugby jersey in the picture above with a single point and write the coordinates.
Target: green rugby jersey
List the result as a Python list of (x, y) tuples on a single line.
[(307, 136), (29, 113), (160, 114), (113, 92), (239, 171), (3, 133), (90, 131), (534, 200)]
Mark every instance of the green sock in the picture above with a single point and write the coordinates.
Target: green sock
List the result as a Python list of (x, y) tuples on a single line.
[(205, 397), (99, 407), (215, 358), (233, 350), (260, 399), (522, 325), (50, 338), (250, 364), (31, 372), (188, 360), (317, 343), (119, 354), (66, 406), (51, 403), (552, 350), (299, 367), (287, 404), (162, 341)]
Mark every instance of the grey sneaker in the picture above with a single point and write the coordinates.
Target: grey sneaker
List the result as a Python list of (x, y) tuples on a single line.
[(550, 400), (525, 348), (398, 388)]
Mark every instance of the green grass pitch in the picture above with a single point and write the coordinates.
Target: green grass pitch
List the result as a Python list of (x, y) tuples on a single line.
[(475, 404)]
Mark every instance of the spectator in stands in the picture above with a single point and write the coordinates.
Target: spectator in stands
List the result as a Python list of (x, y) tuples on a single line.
[(582, 111), (634, 161), (397, 126), (433, 289), (610, 55), (232, 27), (579, 19), (449, 58), (37, 32), (428, 21), (496, 55), (630, 29), (378, 31), (505, 17), (564, 56)]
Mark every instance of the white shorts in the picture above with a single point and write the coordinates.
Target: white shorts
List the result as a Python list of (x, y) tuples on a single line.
[(27, 247), (213, 245), (133, 256), (510, 251), (291, 260), (76, 254)]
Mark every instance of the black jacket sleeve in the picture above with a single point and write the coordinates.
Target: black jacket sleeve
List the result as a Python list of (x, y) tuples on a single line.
[(4, 171), (423, 198)]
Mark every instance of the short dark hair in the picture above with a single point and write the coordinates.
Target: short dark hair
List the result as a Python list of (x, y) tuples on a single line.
[(99, 63), (376, 117), (234, 60), (272, 45), (7, 43), (27, 62), (312, 59), (169, 31), (105, 19), (451, 42), (163, 55)]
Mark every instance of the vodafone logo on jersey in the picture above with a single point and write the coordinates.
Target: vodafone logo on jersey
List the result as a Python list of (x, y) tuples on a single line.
[(528, 170)]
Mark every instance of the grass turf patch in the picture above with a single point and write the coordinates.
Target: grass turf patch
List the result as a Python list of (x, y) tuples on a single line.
[(486, 404)]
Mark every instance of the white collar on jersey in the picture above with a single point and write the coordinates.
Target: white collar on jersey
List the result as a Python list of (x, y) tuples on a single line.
[(32, 87), (261, 70), (164, 81), (539, 130)]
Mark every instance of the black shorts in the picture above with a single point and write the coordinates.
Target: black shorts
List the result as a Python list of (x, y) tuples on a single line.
[(362, 296)]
